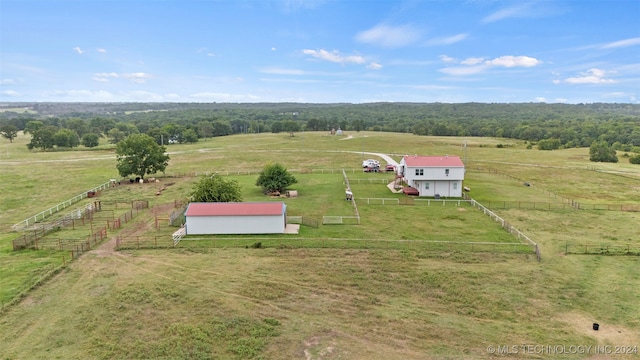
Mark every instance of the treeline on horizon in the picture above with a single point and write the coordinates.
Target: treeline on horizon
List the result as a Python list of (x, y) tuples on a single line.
[(562, 125)]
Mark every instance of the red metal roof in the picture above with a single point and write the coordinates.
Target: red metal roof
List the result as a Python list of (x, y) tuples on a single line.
[(433, 161), (235, 209)]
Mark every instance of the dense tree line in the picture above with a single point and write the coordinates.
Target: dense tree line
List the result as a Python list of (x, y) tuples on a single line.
[(551, 126)]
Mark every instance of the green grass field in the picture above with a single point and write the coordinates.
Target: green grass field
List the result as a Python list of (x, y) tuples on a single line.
[(320, 299)]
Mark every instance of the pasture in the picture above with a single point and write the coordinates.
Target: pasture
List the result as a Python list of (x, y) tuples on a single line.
[(313, 298)]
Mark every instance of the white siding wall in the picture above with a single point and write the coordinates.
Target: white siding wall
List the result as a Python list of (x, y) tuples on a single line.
[(199, 225), (442, 188)]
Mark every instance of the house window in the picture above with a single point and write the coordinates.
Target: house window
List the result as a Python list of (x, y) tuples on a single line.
[(419, 172), (426, 186), (446, 172), (455, 186)]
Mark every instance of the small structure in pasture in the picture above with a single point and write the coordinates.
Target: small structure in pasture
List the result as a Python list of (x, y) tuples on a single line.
[(236, 218)]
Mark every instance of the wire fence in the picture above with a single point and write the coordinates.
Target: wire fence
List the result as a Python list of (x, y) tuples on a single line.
[(303, 220), (157, 242), (565, 203), (353, 201), (601, 249), (412, 201), (38, 238), (30, 221)]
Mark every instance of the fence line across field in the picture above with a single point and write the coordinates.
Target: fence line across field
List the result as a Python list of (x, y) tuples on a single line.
[(601, 249), (412, 201), (54, 209), (149, 242)]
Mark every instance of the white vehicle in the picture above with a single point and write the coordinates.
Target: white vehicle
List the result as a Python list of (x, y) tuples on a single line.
[(370, 163)]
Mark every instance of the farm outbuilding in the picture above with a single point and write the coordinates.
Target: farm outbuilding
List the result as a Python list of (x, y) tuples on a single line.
[(236, 218)]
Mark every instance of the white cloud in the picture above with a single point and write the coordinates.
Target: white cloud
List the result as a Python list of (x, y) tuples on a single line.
[(10, 93), (334, 56), (591, 76), (622, 43), (615, 94), (476, 65), (78, 50), (389, 36), (512, 61), (137, 77), (515, 11), (472, 61), (142, 96), (448, 40), (463, 70), (7, 81), (374, 66), (447, 59), (224, 97), (172, 97), (104, 77), (561, 100), (101, 50), (540, 99), (273, 49), (82, 95)]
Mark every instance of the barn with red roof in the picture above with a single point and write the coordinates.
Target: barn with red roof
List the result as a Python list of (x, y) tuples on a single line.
[(433, 175), (236, 218)]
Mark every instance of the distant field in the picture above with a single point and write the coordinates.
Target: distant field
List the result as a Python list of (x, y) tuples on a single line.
[(208, 299), (19, 110)]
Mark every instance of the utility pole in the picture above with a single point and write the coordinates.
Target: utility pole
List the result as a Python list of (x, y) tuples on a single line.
[(465, 152)]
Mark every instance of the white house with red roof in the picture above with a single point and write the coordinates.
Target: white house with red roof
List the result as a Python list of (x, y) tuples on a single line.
[(433, 175), (236, 218)]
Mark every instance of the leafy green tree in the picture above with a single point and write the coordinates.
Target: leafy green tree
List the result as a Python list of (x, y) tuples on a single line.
[(635, 159), (43, 138), (601, 152), (549, 144), (66, 138), (32, 126), (216, 188), (189, 136), (275, 177), (205, 129), (101, 126), (116, 135), (358, 125), (9, 132), (139, 154), (316, 125), (78, 125), (290, 126), (222, 128), (127, 129), (91, 140), (276, 127)]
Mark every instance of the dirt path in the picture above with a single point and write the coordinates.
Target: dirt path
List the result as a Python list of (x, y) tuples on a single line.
[(140, 228)]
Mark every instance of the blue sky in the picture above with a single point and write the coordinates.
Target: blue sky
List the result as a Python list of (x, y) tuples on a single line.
[(316, 51)]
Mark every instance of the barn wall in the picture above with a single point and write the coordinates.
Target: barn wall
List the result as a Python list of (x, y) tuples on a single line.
[(200, 225)]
